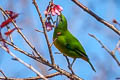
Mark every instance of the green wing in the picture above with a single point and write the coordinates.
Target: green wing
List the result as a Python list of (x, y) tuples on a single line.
[(74, 45)]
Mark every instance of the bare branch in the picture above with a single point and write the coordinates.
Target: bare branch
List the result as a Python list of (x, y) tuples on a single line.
[(18, 49), (103, 46), (96, 17), (8, 28), (33, 78), (116, 47), (19, 31), (44, 29), (22, 62), (39, 31), (53, 42), (5, 77), (46, 63)]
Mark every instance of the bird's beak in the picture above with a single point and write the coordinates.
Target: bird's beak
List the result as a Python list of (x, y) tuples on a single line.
[(58, 20)]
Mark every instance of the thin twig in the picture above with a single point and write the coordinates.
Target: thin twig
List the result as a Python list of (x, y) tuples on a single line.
[(97, 17), (5, 77), (8, 28), (39, 30), (33, 78), (103, 46), (45, 62), (116, 47), (45, 33), (24, 63), (69, 65), (53, 42), (19, 31), (18, 49)]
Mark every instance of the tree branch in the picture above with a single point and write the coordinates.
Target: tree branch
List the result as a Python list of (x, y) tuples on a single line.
[(32, 78), (22, 35), (27, 65), (103, 46), (97, 17), (45, 62), (117, 46), (45, 33), (5, 77)]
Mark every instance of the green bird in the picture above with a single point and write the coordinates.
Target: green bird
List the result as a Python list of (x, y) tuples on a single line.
[(66, 43)]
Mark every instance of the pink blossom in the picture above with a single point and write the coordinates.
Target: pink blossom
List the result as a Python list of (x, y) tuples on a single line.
[(59, 7), (48, 26), (53, 9), (56, 11), (53, 12)]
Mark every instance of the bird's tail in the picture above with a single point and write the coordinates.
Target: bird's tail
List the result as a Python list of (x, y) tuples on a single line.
[(91, 66)]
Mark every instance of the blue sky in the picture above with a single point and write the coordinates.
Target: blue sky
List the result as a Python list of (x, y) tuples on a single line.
[(80, 24)]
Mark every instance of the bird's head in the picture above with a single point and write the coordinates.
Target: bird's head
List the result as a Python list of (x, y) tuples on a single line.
[(61, 22)]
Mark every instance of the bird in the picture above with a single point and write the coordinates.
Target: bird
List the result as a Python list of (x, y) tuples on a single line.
[(66, 43)]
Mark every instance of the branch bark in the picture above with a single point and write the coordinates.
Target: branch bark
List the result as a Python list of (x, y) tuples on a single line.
[(31, 78), (24, 63), (22, 35), (103, 46), (45, 32), (97, 17)]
